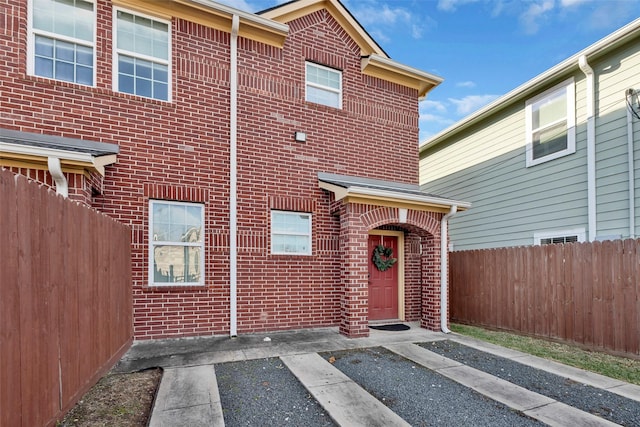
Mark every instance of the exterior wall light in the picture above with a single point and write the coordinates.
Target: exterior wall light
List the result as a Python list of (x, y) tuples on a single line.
[(301, 137)]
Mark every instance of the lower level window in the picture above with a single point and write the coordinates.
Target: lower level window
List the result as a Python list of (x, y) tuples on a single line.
[(558, 237), (176, 243), (290, 233)]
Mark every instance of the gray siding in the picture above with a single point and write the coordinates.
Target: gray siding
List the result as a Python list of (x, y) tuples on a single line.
[(616, 73), (485, 165)]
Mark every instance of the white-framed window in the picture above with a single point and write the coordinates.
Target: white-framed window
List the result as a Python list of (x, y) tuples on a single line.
[(559, 236), (61, 40), (323, 85), (551, 121), (290, 233), (176, 243), (142, 59)]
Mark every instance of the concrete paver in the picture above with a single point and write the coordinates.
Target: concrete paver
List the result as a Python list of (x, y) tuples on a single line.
[(188, 397), (497, 389), (530, 403), (630, 391), (188, 393), (347, 403), (561, 415)]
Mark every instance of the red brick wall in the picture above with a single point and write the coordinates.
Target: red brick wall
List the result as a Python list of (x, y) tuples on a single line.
[(422, 268), (179, 150)]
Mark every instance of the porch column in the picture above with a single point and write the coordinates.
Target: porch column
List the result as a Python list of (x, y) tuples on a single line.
[(430, 265), (354, 309)]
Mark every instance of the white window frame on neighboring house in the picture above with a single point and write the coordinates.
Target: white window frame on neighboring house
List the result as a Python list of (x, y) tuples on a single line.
[(547, 237), (59, 40), (562, 125), (280, 233), (192, 238), (136, 60), (323, 85)]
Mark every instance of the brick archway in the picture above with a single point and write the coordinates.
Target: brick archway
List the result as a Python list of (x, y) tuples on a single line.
[(356, 220)]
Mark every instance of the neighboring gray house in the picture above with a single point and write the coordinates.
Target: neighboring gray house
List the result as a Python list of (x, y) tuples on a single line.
[(555, 160)]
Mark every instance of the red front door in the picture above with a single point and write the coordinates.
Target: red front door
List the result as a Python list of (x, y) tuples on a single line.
[(383, 285)]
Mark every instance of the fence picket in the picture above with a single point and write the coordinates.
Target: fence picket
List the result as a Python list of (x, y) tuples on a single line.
[(587, 293), (60, 327)]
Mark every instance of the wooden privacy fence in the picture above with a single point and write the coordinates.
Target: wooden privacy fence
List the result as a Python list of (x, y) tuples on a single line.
[(585, 293), (65, 300)]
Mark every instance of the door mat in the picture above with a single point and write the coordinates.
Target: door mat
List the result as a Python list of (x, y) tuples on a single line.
[(393, 327)]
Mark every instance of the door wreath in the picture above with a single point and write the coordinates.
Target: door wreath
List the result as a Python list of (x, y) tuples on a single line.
[(382, 258)]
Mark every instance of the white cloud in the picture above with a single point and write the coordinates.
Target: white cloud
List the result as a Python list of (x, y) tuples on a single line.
[(530, 19), (435, 118), (471, 103), (607, 15), (416, 31), (380, 37), (452, 5), (429, 105), (571, 3), (385, 20), (467, 84), (381, 14)]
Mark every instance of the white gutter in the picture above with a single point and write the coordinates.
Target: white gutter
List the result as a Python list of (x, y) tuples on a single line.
[(237, 13), (98, 163), (444, 270), (233, 180), (55, 169), (591, 147), (629, 97), (45, 152)]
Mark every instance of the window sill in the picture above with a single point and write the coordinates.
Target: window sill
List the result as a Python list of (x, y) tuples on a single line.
[(534, 162)]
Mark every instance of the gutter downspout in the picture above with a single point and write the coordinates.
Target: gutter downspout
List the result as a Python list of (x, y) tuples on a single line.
[(591, 147), (233, 179), (632, 197), (444, 263), (55, 169)]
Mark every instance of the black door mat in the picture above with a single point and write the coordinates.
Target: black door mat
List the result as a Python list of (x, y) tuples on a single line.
[(392, 327)]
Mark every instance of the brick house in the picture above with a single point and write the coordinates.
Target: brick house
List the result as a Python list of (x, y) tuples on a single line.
[(262, 161)]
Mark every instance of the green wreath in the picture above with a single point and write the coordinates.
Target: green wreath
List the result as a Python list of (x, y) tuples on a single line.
[(382, 258)]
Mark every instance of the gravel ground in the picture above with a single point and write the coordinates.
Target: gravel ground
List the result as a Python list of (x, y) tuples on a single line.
[(421, 396), (265, 393), (599, 402)]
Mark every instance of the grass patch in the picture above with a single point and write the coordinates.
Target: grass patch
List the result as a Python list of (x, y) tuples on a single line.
[(620, 368)]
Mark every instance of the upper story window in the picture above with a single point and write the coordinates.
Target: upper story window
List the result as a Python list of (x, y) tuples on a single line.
[(323, 85), (141, 62), (551, 120), (176, 243), (290, 233), (62, 40)]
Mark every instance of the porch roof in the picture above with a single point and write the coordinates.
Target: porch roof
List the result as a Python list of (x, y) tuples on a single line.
[(370, 191), (27, 149)]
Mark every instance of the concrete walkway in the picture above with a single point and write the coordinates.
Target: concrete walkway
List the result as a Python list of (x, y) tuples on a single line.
[(189, 396)]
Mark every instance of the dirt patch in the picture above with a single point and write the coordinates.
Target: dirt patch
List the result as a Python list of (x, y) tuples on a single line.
[(117, 400)]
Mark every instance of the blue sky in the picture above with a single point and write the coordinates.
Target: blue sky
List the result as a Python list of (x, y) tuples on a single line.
[(482, 48)]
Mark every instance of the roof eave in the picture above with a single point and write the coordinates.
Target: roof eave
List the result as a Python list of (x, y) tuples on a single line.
[(297, 9), (392, 198), (375, 194), (387, 69), (23, 153), (214, 15)]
